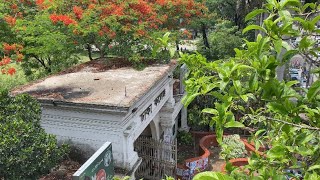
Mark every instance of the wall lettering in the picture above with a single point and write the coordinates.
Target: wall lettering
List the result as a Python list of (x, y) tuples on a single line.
[(146, 112), (160, 97)]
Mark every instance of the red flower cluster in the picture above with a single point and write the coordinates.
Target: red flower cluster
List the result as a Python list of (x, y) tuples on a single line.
[(190, 5), (7, 48), (187, 15), (143, 7), (106, 30), (62, 18), (141, 32), (12, 52), (11, 71), (118, 11), (187, 34), (14, 49), (91, 6), (77, 11), (19, 57), (39, 2), (161, 2), (14, 6), (113, 9), (10, 20), (6, 60)]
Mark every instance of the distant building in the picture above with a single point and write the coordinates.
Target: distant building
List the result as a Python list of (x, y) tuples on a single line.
[(89, 106)]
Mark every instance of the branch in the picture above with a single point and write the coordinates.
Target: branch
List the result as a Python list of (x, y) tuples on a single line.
[(305, 14), (49, 61), (292, 124), (42, 62), (39, 60)]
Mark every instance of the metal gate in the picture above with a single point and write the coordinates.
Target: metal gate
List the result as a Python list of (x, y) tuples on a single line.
[(158, 158)]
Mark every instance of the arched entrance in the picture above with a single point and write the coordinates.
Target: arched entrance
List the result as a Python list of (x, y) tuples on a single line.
[(158, 157)]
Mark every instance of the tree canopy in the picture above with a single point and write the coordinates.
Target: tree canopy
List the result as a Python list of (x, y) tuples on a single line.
[(48, 33)]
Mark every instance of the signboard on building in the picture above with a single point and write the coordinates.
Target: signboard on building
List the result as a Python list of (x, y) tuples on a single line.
[(98, 167)]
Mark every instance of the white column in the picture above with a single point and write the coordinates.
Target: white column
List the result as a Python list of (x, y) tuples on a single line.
[(184, 120), (168, 133), (167, 121), (171, 101), (167, 139), (131, 157)]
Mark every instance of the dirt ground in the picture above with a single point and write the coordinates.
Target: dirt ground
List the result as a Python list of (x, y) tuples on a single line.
[(214, 159), (63, 171), (185, 152)]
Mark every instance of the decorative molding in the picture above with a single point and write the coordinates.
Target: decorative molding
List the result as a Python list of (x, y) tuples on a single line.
[(87, 129), (167, 124), (160, 97), (99, 108), (146, 112), (161, 85), (79, 139), (68, 119), (129, 129)]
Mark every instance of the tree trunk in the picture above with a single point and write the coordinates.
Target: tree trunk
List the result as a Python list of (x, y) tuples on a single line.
[(102, 51), (48, 69), (177, 45), (89, 51), (240, 13), (204, 36)]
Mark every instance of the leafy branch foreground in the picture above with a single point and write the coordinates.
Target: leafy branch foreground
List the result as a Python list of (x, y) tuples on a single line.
[(285, 117), (26, 151)]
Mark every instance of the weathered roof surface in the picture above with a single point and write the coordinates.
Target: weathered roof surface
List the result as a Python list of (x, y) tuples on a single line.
[(114, 87)]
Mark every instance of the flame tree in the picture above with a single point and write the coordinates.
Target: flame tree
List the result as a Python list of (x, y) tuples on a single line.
[(47, 34)]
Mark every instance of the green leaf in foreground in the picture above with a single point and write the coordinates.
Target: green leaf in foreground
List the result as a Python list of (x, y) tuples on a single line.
[(314, 89), (212, 176), (254, 27), (254, 14), (233, 124)]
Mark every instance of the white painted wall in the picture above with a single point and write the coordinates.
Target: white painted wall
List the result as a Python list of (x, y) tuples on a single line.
[(88, 130), (89, 127)]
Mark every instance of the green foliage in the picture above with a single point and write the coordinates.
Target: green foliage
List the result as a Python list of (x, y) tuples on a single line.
[(48, 49), (121, 178), (222, 40), (26, 151), (232, 147), (284, 119), (163, 48), (224, 8), (212, 176), (185, 137), (196, 119), (9, 82)]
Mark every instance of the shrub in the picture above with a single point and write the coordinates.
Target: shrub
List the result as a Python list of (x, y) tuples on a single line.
[(185, 138), (232, 147), (26, 151)]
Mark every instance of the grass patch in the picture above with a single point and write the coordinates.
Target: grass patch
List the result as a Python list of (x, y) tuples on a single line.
[(9, 82)]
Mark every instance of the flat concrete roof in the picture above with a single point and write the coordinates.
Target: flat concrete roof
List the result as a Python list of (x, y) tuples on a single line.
[(120, 87)]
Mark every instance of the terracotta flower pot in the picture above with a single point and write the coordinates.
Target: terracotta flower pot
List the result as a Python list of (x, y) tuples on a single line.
[(235, 162)]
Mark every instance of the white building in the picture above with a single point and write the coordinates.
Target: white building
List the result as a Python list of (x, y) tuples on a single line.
[(88, 107)]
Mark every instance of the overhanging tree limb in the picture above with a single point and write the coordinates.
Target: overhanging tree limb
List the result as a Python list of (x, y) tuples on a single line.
[(289, 123)]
